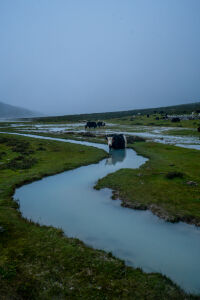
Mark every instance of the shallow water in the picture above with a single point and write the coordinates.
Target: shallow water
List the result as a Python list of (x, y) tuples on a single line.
[(192, 142), (149, 132), (68, 200)]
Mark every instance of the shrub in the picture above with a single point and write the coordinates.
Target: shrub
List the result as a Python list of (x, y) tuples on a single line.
[(2, 154), (21, 162), (174, 174), (3, 140), (41, 148), (21, 147)]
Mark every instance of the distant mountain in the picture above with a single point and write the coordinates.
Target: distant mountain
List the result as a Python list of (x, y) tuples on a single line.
[(12, 112), (175, 109)]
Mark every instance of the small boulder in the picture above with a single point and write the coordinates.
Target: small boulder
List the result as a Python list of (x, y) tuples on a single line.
[(2, 229), (175, 119), (191, 183), (133, 138), (88, 134)]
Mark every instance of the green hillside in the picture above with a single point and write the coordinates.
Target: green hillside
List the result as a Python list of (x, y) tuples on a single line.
[(176, 109)]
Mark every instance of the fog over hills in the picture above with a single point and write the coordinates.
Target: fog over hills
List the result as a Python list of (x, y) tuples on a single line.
[(8, 111)]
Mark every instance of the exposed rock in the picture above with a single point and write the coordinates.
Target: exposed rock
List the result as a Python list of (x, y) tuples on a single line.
[(69, 132), (191, 183), (88, 134), (115, 195), (2, 229), (133, 138), (134, 205), (161, 213)]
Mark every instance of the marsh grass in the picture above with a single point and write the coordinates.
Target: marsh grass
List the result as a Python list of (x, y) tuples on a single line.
[(184, 132)]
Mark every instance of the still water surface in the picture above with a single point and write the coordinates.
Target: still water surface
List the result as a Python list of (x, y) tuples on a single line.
[(68, 200)]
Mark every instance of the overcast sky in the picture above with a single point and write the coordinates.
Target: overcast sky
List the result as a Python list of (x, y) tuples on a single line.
[(77, 56)]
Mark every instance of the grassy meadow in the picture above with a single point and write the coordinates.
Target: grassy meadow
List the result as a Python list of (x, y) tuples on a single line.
[(143, 120), (168, 183)]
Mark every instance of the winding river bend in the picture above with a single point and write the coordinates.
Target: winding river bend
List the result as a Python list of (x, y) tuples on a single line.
[(68, 200)]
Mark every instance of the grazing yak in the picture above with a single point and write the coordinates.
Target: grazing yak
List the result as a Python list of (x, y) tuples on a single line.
[(100, 124), (117, 141), (198, 129), (175, 119), (91, 125)]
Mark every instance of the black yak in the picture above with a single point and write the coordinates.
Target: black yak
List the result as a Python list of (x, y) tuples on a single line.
[(117, 141), (91, 125)]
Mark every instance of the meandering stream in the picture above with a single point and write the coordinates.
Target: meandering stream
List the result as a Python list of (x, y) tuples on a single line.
[(68, 200)]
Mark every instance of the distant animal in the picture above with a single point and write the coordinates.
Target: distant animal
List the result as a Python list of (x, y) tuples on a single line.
[(175, 119), (157, 118), (100, 124), (147, 115), (198, 129), (117, 141), (91, 125)]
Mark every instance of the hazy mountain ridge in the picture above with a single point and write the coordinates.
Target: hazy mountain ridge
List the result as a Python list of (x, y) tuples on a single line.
[(175, 109), (8, 111)]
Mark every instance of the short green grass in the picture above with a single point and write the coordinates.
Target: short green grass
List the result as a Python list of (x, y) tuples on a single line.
[(39, 262), (151, 121), (64, 135), (183, 132), (158, 185)]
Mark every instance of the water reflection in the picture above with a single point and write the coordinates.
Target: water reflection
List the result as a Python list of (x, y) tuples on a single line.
[(116, 156)]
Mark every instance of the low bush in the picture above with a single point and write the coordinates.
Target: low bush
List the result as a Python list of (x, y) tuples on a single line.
[(3, 140), (20, 147), (2, 154), (174, 174), (21, 162), (41, 148)]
